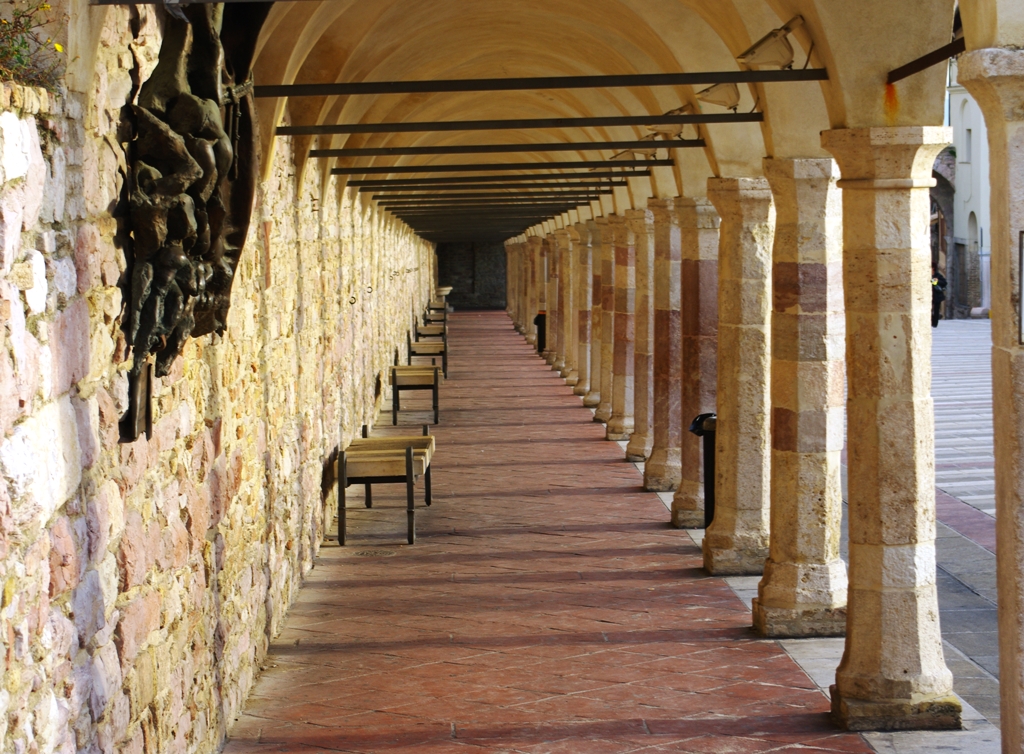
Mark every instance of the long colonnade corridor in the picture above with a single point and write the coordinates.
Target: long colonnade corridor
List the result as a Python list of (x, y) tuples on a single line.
[(547, 606)]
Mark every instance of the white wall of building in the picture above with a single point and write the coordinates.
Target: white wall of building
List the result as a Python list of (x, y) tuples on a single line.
[(972, 185)]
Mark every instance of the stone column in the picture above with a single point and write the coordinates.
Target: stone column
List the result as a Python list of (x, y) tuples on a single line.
[(550, 298), (893, 674), (593, 397), (661, 472), (642, 439), (604, 408), (569, 303), (583, 303), (551, 353), (995, 77), (803, 591), (737, 540), (698, 238), (535, 302), (620, 425)]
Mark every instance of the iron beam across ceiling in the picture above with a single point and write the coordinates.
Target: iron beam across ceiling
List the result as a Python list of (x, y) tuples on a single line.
[(389, 201), (539, 83), (510, 148), (541, 188), (506, 195), (499, 166), (567, 177), (519, 124)]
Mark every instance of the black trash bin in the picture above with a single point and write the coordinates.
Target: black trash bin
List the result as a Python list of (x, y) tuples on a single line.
[(541, 321), (704, 426)]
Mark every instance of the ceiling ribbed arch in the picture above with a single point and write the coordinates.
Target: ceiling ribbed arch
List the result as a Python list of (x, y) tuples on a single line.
[(394, 40)]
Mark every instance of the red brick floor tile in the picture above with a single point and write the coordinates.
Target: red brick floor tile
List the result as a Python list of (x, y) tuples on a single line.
[(546, 607)]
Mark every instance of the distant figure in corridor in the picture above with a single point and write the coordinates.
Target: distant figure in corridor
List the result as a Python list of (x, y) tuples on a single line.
[(938, 293)]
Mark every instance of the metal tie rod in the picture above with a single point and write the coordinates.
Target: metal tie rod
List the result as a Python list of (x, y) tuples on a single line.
[(612, 175), (480, 167), (510, 148), (601, 187), (519, 124), (537, 83), (400, 194)]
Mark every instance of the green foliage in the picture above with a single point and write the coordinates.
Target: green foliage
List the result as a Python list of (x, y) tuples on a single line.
[(27, 54)]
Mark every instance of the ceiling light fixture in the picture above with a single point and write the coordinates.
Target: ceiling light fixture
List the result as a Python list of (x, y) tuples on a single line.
[(773, 48), (723, 95), (673, 130)]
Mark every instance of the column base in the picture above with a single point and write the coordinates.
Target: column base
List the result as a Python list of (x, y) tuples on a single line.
[(661, 474), (571, 376), (618, 430), (548, 356), (557, 364), (781, 623), (639, 448), (937, 713), (734, 561), (582, 388), (592, 400), (687, 519), (688, 505), (603, 414), (531, 339)]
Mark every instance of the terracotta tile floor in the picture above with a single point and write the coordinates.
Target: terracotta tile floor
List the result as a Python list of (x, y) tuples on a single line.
[(546, 606)]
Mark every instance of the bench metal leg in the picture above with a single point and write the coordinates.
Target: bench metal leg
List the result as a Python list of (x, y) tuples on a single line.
[(435, 395), (394, 403), (369, 495), (409, 499), (342, 485), (426, 485)]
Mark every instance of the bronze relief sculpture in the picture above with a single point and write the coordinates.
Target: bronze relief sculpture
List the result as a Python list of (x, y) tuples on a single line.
[(194, 166)]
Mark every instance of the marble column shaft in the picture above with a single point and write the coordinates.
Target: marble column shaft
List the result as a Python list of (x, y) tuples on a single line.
[(554, 303), (737, 540), (567, 242), (893, 674), (583, 301), (803, 591), (535, 300), (642, 439), (995, 78), (608, 271), (593, 397), (620, 425), (661, 471), (698, 269)]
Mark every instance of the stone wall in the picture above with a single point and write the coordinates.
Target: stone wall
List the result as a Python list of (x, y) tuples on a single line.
[(476, 272), (141, 583)]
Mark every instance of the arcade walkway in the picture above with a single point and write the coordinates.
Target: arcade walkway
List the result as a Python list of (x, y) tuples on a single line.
[(546, 607)]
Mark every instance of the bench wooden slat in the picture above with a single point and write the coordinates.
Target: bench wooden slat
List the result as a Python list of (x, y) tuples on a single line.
[(366, 464)]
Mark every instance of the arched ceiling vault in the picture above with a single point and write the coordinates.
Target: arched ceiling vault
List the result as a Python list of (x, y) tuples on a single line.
[(320, 41)]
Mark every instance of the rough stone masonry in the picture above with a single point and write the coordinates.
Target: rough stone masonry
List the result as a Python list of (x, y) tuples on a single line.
[(141, 582)]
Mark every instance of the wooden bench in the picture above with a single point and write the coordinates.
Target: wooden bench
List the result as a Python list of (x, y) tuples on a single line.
[(429, 348), (413, 377), (434, 317), (385, 460), (431, 331)]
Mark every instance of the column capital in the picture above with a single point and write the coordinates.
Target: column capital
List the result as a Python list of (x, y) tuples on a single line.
[(995, 78), (880, 158), (729, 195), (668, 211)]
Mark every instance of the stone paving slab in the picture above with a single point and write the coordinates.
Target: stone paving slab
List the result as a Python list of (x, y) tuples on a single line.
[(546, 606)]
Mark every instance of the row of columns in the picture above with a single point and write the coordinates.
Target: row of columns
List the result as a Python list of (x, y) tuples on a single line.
[(750, 302)]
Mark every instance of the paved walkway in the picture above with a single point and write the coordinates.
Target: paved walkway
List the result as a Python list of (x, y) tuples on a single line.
[(547, 606)]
